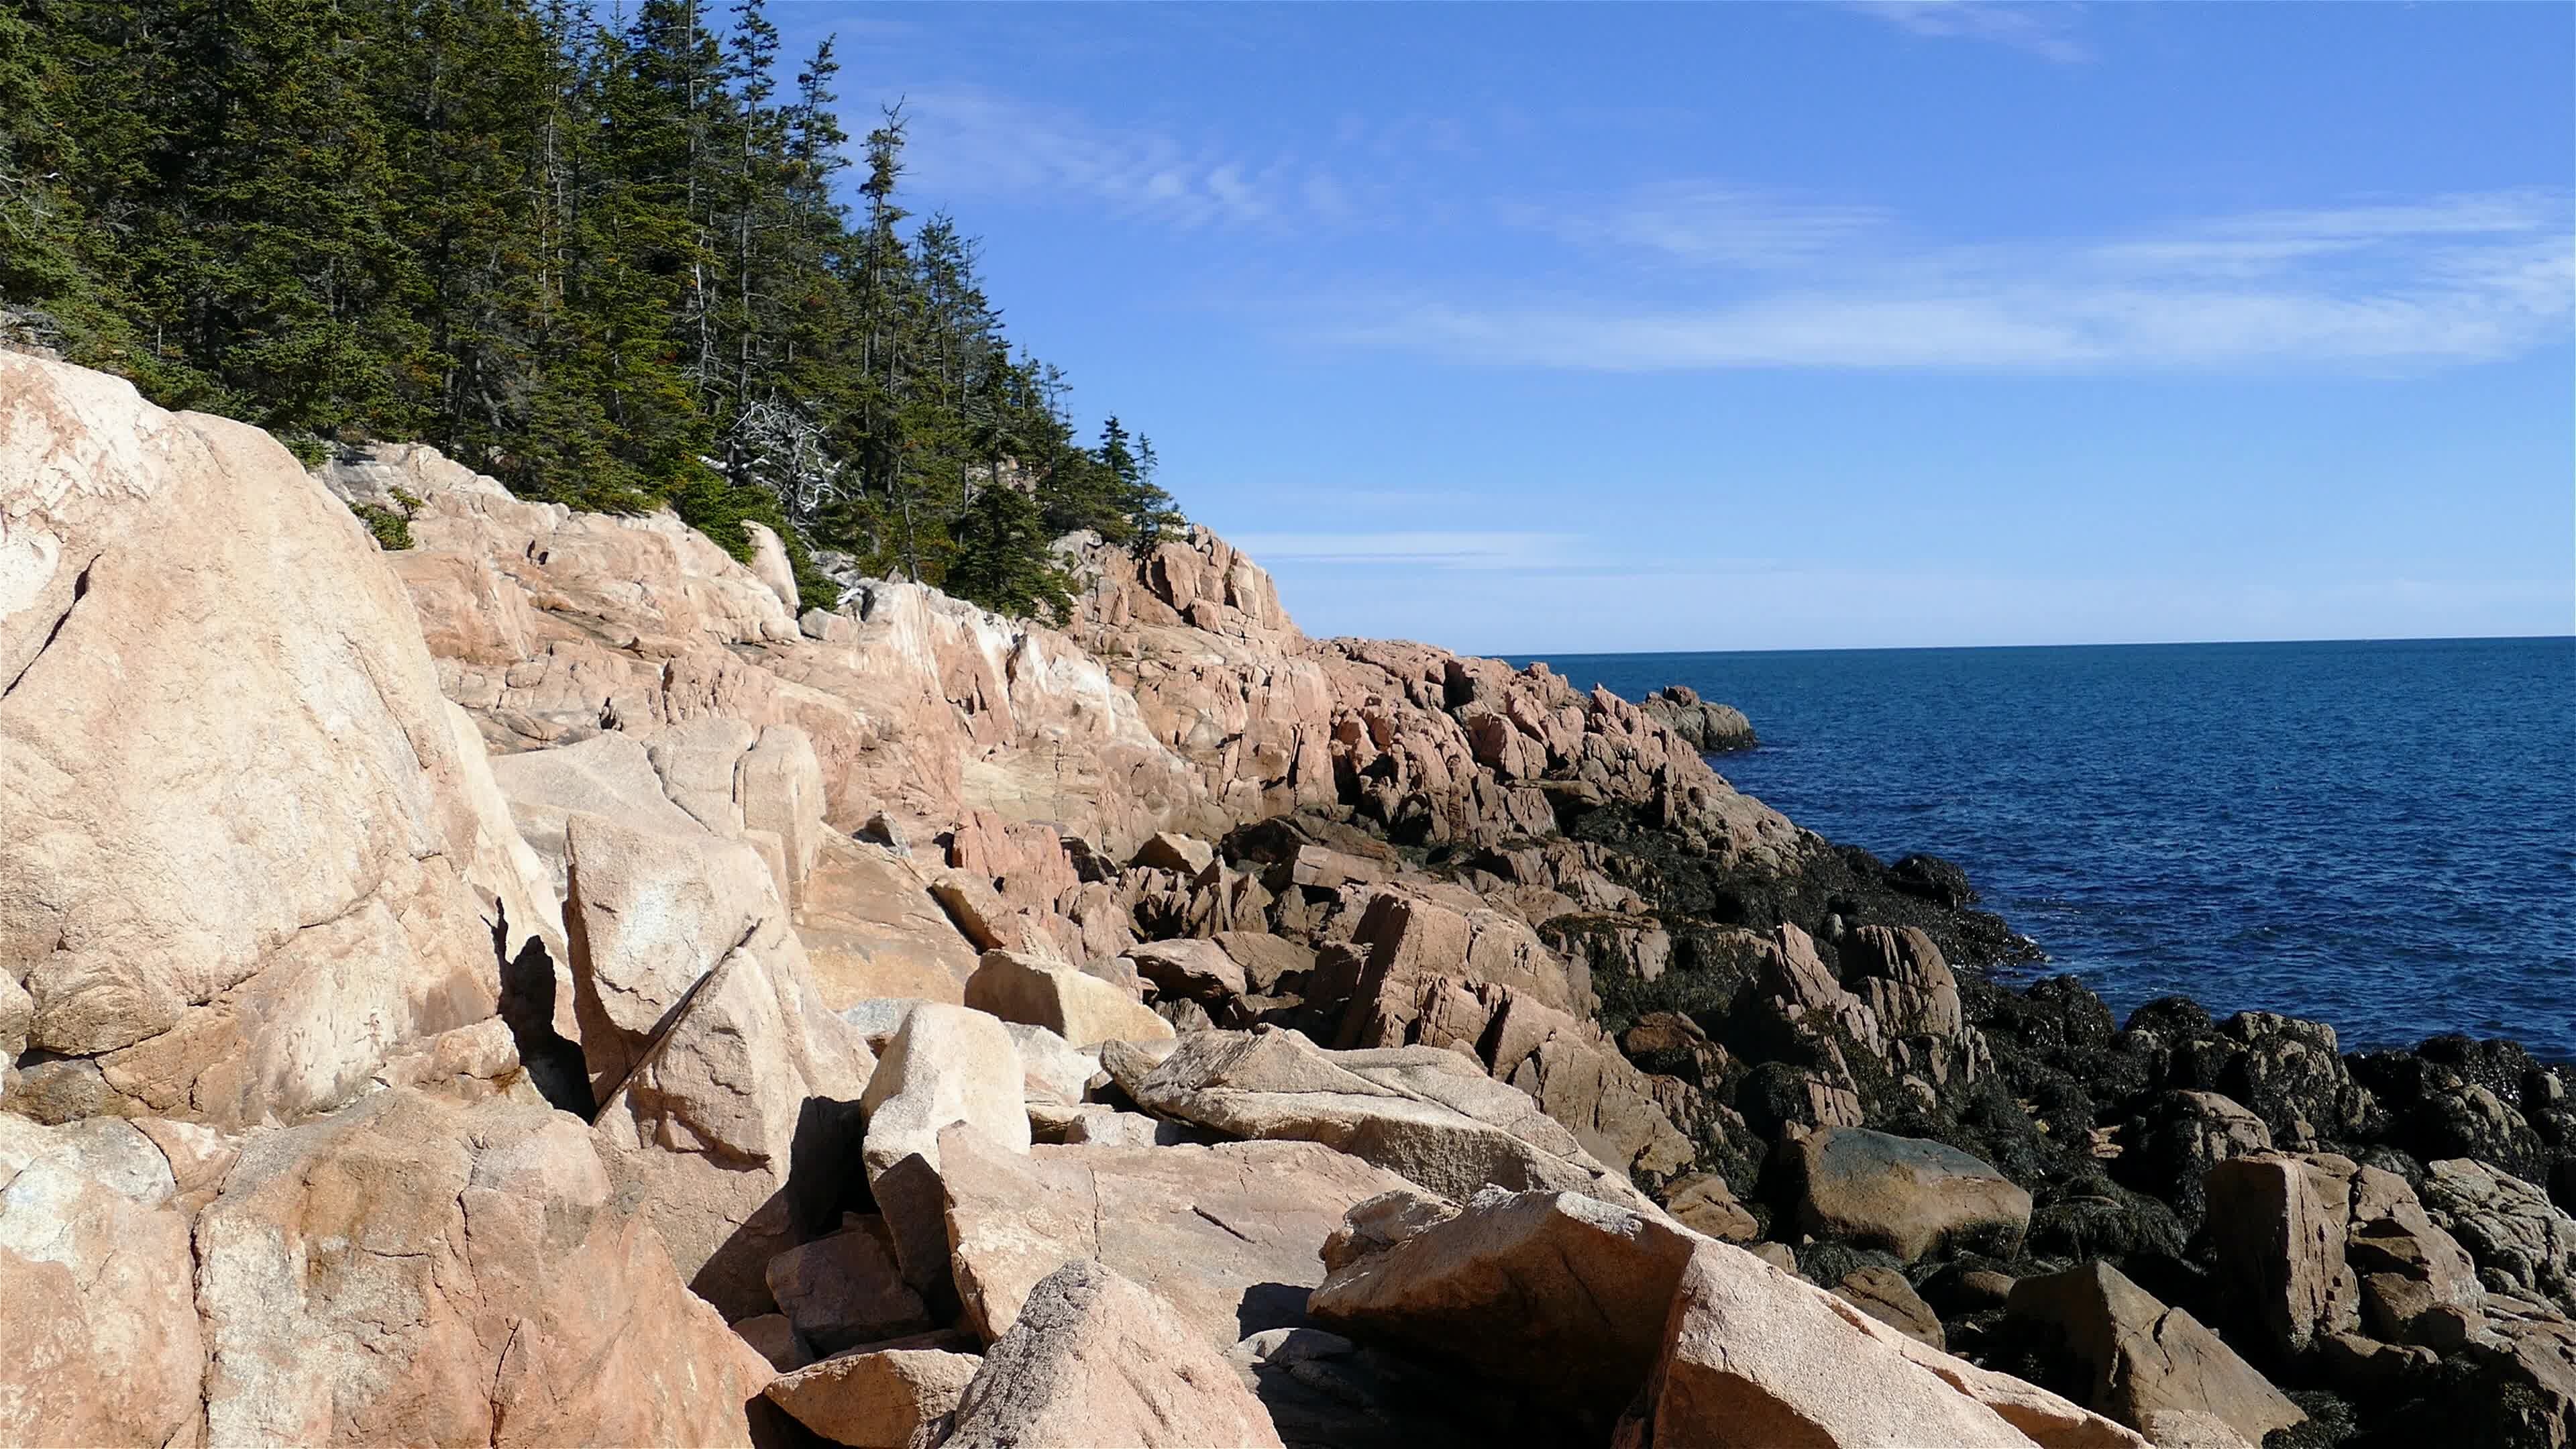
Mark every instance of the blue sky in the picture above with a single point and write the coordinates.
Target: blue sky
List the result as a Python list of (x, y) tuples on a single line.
[(1553, 328)]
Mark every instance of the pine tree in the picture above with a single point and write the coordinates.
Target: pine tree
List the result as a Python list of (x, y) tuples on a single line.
[(606, 263)]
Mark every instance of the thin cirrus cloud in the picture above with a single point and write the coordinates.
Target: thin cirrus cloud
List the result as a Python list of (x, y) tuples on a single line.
[(2441, 281), (1708, 223), (969, 142), (2046, 31)]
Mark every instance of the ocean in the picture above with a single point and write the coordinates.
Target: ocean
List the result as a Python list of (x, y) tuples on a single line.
[(2379, 835)]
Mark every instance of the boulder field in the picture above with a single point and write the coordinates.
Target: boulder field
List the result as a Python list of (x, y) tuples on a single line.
[(549, 985)]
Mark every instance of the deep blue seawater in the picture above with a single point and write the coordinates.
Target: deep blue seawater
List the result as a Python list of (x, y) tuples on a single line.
[(2378, 835)]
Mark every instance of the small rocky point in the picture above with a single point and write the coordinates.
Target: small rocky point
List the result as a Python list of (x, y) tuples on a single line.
[(541, 986)]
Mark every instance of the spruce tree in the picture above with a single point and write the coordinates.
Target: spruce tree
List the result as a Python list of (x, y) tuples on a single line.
[(606, 263)]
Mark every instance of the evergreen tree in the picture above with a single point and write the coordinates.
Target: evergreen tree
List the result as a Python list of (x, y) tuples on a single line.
[(605, 262)]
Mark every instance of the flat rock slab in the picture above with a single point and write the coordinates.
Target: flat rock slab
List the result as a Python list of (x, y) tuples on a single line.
[(1430, 1115), (1229, 1236), (1905, 1194), (1082, 1009), (1096, 1360)]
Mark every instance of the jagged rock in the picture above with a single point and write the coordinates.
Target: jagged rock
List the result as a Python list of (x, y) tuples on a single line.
[(2518, 1237), (946, 1064), (1552, 1292), (1429, 1115), (890, 1399), (1901, 976), (1227, 1236), (2527, 1365), (1905, 1194), (242, 857), (648, 913), (1581, 1080), (1778, 1255), (2143, 1356), (2418, 1286), (1082, 1009), (1164, 850), (738, 1123), (411, 1271), (104, 1341), (1712, 728), (1381, 1222), (1413, 941), (1883, 1294), (827, 628), (2169, 1149), (1094, 1359), (769, 562), (779, 784), (610, 776), (2278, 1227), (843, 1289), (2289, 1072), (1749, 1355)]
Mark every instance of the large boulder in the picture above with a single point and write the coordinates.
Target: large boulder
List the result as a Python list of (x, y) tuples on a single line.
[(2279, 1225), (1557, 1294), (739, 1125), (945, 1064), (412, 1271), (1422, 1112), (239, 861), (1227, 1236), (648, 913), (1904, 1194), (104, 1342), (2519, 1237), (872, 929), (1094, 1359), (2142, 1356), (1751, 1357)]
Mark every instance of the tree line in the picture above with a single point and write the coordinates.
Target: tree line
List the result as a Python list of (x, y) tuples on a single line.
[(607, 261)]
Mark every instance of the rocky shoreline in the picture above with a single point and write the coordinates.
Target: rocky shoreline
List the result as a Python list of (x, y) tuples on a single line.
[(542, 985)]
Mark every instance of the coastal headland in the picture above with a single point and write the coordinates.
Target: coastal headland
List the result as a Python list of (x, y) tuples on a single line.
[(541, 984)]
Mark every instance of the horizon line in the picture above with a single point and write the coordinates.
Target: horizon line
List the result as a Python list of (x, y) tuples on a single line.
[(2566, 635)]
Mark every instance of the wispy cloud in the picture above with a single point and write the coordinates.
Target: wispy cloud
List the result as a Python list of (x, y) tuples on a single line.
[(975, 143), (2450, 280), (2046, 31), (1706, 223), (1436, 548), (967, 142)]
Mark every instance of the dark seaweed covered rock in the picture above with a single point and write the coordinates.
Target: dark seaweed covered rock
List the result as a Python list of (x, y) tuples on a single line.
[(2289, 1072), (1934, 879), (2169, 1147)]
